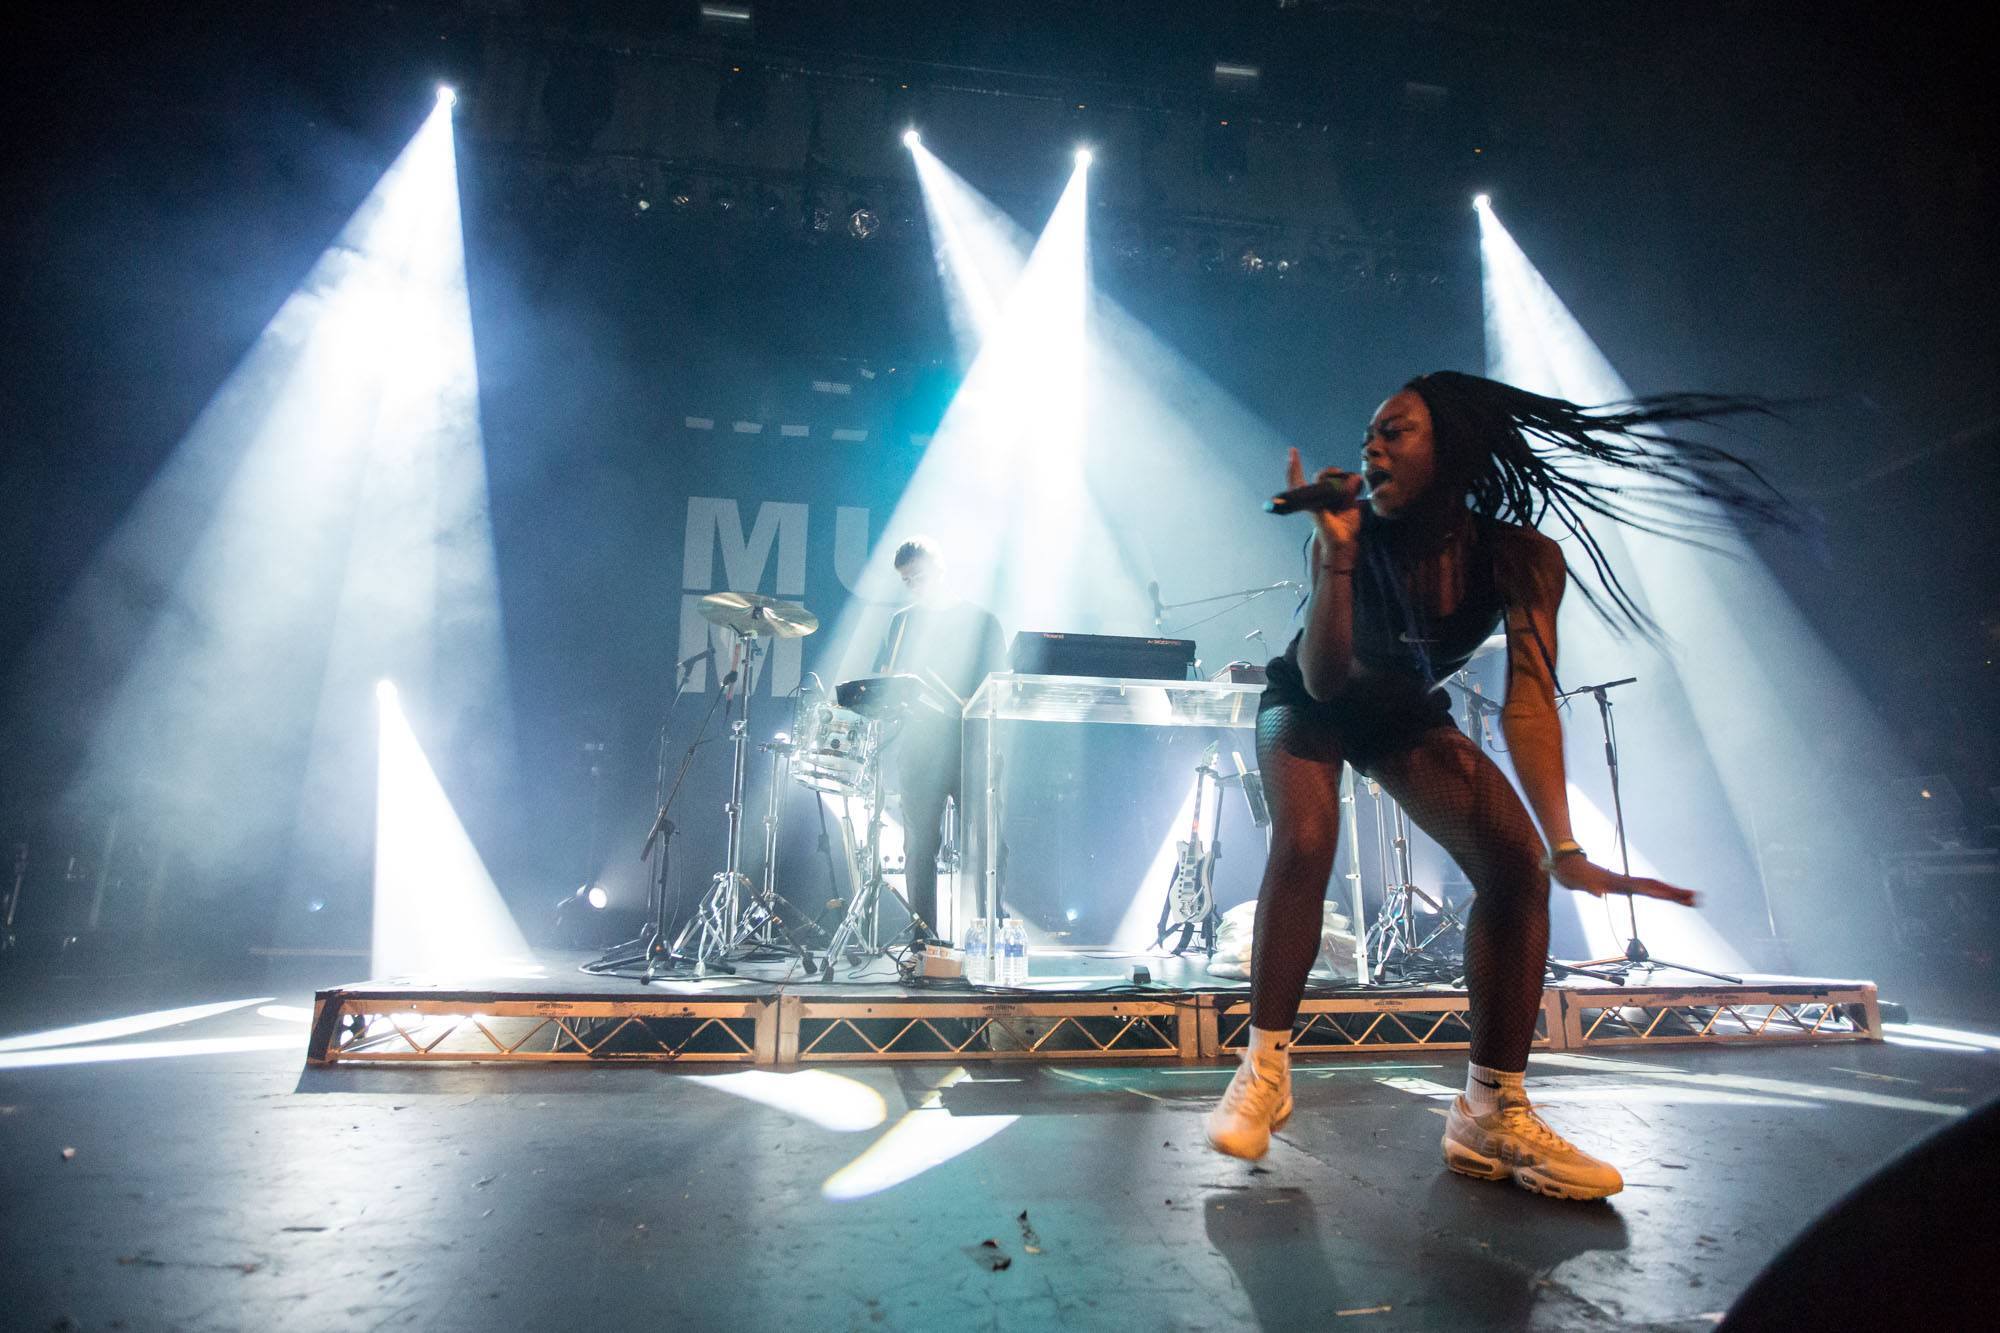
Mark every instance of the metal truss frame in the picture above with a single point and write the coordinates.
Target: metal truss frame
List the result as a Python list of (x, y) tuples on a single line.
[(355, 1028), (1067, 1028), (1616, 1016), (787, 1027), (1399, 1021)]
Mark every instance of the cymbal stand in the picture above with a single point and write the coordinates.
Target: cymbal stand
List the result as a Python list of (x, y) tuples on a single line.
[(1396, 938), (718, 924), (764, 936), (1635, 958), (861, 928)]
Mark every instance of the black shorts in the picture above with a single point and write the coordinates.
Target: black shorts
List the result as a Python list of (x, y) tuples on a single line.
[(1376, 715)]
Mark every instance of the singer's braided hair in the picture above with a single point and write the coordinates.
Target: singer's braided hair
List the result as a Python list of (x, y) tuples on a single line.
[(1520, 457)]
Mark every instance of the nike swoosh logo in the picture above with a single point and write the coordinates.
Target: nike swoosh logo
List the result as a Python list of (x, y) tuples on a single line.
[(1484, 1084)]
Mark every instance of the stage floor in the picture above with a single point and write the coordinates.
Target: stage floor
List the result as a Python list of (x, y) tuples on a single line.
[(216, 1182), (1074, 1006)]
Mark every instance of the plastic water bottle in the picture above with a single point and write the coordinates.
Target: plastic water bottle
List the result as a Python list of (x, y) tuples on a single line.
[(979, 952), (1014, 954)]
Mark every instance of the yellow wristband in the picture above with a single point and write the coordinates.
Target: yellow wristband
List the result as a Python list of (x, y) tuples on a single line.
[(1567, 847)]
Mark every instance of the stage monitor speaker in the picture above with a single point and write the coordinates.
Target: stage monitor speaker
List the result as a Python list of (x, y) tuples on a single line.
[(1915, 1246), (1048, 653)]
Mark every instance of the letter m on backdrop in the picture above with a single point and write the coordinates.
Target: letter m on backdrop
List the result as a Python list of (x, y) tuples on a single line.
[(769, 557)]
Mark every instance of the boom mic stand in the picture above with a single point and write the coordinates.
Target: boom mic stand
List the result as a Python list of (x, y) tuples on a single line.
[(1240, 598), (650, 957), (1635, 956)]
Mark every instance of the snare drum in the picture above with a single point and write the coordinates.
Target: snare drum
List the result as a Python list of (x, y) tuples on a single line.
[(834, 747)]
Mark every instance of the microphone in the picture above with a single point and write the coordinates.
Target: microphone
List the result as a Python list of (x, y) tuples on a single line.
[(689, 661), (1153, 591), (1328, 496)]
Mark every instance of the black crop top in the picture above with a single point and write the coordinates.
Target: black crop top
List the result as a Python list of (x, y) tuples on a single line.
[(1394, 637)]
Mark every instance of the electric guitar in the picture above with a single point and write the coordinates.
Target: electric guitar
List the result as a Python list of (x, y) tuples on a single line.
[(1190, 901)]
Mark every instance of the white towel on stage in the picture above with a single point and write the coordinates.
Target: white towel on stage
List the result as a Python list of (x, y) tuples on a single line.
[(1232, 945)]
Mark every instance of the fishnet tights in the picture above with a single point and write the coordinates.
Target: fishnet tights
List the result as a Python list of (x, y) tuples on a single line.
[(1455, 793)]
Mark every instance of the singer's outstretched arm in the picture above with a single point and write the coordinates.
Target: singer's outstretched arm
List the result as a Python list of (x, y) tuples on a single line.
[(1535, 575)]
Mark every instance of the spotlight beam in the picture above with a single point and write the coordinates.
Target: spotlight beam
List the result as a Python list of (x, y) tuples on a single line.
[(1750, 678), (323, 521), (437, 911)]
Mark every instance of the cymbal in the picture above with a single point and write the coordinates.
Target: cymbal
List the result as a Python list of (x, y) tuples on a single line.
[(755, 614)]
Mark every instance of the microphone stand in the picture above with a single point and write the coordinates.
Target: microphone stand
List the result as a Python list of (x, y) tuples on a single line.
[(1635, 956), (1479, 709), (650, 954), (1241, 597)]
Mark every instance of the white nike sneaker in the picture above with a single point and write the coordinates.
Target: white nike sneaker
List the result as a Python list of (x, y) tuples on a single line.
[(1514, 1142), (1258, 1101)]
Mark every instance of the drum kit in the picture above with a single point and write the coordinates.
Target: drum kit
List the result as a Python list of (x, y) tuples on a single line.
[(835, 748)]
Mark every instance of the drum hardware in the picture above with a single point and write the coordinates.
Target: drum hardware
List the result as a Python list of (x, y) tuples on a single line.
[(1396, 938), (649, 957), (769, 900), (1635, 958), (860, 929), (723, 923), (752, 615), (850, 735), (893, 697), (885, 704), (833, 746)]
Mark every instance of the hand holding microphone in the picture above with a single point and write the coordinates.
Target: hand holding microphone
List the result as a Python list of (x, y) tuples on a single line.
[(1332, 499)]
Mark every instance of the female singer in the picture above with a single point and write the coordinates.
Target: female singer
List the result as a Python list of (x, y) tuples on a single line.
[(1406, 580)]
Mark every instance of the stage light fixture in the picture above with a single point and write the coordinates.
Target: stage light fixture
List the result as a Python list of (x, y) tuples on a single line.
[(447, 96), (1481, 202), (911, 138), (576, 919), (385, 691), (863, 222), (1084, 157), (1236, 76), (732, 19)]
